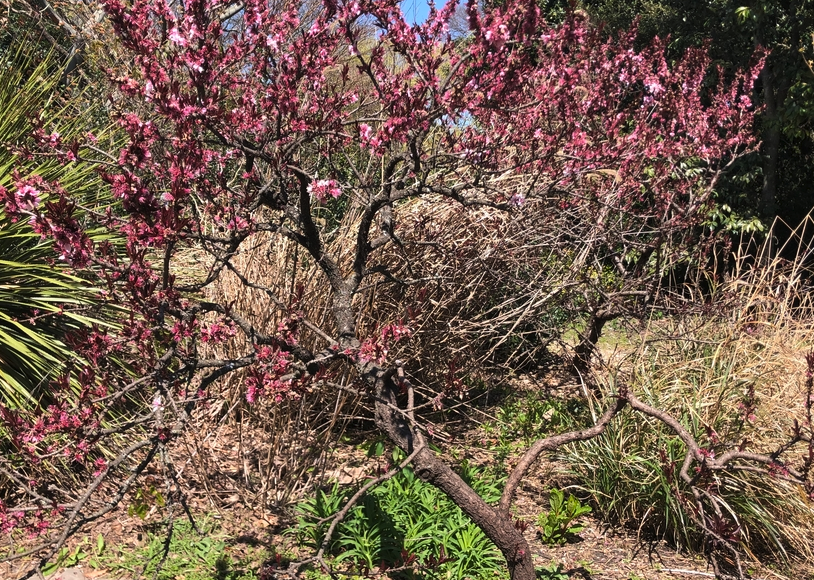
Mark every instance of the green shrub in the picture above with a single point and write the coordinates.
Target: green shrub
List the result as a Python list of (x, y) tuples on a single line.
[(630, 472), (405, 521), (558, 525), (528, 416), (531, 416)]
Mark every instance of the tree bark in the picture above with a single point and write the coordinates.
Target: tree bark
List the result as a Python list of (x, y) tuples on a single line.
[(586, 347), (396, 424), (771, 144), (776, 86)]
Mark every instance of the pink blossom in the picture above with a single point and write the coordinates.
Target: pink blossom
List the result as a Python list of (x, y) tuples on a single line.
[(323, 188), (251, 392), (28, 198), (100, 466), (376, 348), (218, 332), (367, 137), (176, 37)]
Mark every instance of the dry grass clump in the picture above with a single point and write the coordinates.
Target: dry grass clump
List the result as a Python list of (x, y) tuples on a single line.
[(482, 289), (268, 453), (284, 445), (734, 377)]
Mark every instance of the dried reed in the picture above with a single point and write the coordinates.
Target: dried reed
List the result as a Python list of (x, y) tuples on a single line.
[(734, 373)]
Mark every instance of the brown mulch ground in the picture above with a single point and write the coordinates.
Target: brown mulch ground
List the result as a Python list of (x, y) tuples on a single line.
[(601, 553), (215, 470)]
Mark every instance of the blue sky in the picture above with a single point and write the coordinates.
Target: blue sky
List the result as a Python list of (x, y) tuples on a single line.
[(417, 10)]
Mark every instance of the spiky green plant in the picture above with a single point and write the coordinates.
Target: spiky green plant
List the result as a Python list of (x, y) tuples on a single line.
[(40, 299), (727, 388), (406, 522), (39, 303)]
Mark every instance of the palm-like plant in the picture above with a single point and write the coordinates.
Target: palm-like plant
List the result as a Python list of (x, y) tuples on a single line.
[(40, 299), (39, 303)]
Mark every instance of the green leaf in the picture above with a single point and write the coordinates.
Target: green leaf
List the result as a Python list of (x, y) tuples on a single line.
[(743, 13), (40, 299), (376, 449), (50, 568)]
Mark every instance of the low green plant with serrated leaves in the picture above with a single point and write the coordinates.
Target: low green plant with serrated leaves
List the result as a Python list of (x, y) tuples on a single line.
[(405, 522), (560, 523)]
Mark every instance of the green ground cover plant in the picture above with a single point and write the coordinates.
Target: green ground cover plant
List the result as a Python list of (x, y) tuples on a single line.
[(560, 525), (405, 522), (552, 571), (201, 554), (525, 416)]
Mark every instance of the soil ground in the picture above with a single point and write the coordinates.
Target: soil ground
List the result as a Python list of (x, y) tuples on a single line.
[(599, 553)]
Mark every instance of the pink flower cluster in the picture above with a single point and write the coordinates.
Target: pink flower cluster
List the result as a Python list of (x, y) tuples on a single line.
[(265, 379), (26, 198), (322, 189), (36, 522), (376, 347), (367, 137), (218, 332), (55, 218)]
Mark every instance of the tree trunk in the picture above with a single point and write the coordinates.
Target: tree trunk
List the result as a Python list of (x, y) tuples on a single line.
[(771, 145), (776, 85), (497, 527), (586, 347)]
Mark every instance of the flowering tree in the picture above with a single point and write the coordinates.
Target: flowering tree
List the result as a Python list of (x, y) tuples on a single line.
[(248, 121)]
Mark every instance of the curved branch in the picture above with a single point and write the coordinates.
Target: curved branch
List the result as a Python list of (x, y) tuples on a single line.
[(550, 444)]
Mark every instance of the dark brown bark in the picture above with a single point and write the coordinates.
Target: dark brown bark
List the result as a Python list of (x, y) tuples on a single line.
[(587, 346), (776, 86), (498, 527), (771, 144)]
